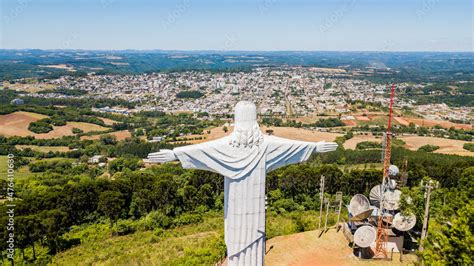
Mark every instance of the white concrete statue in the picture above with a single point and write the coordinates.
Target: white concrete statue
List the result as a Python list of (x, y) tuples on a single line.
[(243, 158)]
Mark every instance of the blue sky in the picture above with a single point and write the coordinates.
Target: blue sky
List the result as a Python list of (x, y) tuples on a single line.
[(350, 25)]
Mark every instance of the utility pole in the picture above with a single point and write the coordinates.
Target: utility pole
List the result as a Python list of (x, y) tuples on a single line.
[(321, 197), (429, 185), (339, 197), (327, 212)]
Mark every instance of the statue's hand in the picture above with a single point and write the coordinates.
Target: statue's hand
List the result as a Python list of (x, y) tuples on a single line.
[(162, 156), (324, 146)]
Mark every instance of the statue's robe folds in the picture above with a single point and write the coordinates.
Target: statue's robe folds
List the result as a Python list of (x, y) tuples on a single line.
[(244, 170)]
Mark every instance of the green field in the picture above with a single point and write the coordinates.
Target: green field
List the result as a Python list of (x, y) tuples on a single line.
[(44, 148), (20, 174)]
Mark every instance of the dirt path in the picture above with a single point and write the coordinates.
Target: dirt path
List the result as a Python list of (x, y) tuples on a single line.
[(307, 249)]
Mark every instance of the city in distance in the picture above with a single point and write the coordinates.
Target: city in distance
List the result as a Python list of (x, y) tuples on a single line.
[(81, 124), (236, 132)]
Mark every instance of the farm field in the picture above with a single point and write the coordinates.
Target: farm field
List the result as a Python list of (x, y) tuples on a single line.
[(107, 121), (43, 148), (447, 146), (121, 135), (20, 174), (284, 132), (432, 123), (29, 87), (66, 130), (16, 124), (352, 143)]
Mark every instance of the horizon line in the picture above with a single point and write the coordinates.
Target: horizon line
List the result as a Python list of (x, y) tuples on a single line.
[(238, 51)]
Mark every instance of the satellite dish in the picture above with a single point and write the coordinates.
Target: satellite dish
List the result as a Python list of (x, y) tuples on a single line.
[(392, 199), (359, 204), (392, 184), (364, 236), (375, 195), (361, 216), (404, 223), (393, 170)]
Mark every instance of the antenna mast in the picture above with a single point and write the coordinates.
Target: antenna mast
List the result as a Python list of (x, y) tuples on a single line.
[(382, 236)]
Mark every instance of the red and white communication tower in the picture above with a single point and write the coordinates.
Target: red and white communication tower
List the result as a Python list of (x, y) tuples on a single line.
[(382, 236)]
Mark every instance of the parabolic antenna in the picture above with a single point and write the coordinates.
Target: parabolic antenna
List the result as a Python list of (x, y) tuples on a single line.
[(404, 223), (393, 170), (392, 184), (376, 195), (392, 199), (359, 204), (361, 216), (364, 236)]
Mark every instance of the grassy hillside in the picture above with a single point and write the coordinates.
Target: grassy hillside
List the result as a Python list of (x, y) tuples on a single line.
[(196, 244)]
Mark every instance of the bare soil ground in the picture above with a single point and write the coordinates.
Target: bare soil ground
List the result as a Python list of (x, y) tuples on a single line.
[(16, 124), (352, 143), (59, 66), (66, 130), (350, 123), (402, 121), (330, 249), (447, 146), (362, 118), (284, 132), (107, 121), (432, 123), (29, 87)]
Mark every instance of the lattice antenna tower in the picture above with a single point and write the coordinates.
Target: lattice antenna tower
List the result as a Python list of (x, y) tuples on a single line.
[(382, 236)]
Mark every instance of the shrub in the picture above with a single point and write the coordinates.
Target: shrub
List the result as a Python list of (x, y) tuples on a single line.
[(40, 127), (124, 227), (158, 219), (329, 122), (187, 218), (428, 148), (285, 205), (364, 145), (76, 130), (469, 146)]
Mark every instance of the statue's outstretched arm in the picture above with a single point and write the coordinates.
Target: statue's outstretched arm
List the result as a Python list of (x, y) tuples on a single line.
[(162, 156), (324, 146)]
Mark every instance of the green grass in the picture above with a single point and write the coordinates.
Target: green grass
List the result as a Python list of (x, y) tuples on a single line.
[(200, 244), (22, 173), (197, 244), (44, 148), (378, 121)]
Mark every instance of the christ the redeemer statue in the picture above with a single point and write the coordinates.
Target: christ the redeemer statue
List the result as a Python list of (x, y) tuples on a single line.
[(243, 158)]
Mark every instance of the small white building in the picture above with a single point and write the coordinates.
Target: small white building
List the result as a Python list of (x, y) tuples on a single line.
[(17, 102), (156, 139), (95, 159)]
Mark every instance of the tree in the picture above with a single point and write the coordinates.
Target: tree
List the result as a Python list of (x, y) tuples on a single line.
[(108, 139), (140, 204), (454, 244), (110, 205)]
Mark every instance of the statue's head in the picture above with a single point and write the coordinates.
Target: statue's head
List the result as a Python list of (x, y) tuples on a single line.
[(246, 130), (245, 116)]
